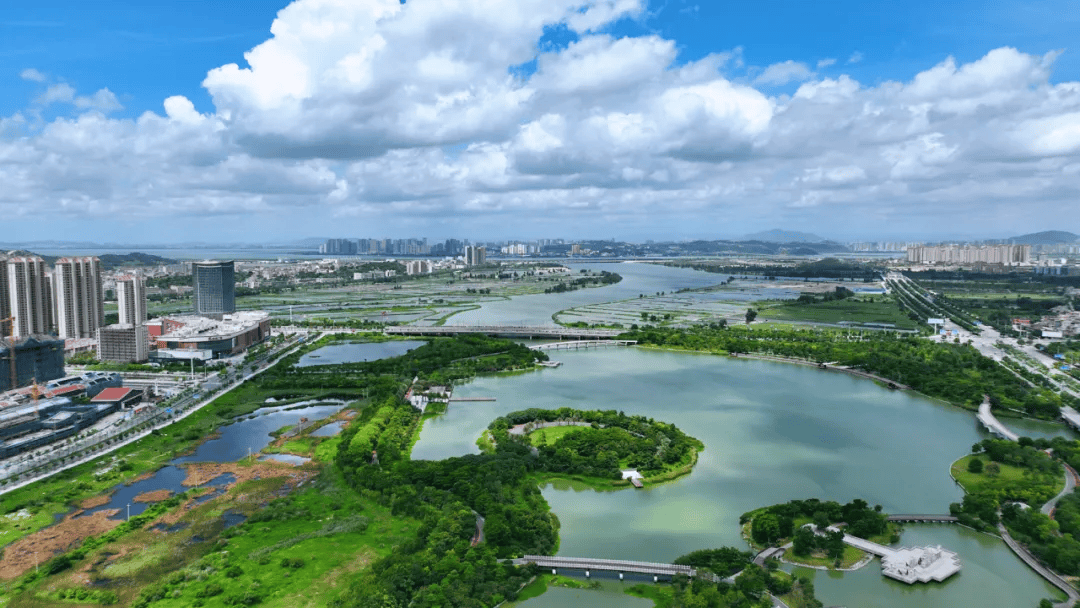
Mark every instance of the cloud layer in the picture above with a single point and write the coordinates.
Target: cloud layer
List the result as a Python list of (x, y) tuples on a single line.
[(394, 117)]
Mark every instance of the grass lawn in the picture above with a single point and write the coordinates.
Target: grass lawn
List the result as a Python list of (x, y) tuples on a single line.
[(852, 310), (1009, 475), (662, 596), (850, 558), (550, 435), (541, 583)]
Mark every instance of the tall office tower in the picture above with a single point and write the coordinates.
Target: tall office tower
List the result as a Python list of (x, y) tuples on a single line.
[(80, 300), (215, 288), (131, 299), (28, 302)]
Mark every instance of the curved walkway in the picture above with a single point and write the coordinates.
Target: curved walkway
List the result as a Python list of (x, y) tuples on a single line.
[(826, 367), (1029, 559), (1070, 484), (986, 417)]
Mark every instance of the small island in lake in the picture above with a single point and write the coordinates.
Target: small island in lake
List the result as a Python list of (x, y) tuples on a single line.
[(601, 448)]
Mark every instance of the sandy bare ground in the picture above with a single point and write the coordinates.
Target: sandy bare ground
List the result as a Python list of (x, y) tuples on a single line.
[(95, 501), (198, 474), (155, 496), (20, 556)]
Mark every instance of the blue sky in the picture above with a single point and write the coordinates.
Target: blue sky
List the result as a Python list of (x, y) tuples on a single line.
[(147, 51), (96, 68)]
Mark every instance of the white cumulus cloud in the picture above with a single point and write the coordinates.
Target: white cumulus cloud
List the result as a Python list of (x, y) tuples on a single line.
[(382, 115)]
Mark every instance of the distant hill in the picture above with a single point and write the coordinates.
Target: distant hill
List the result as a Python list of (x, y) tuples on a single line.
[(1047, 237), (109, 261), (112, 260), (777, 235)]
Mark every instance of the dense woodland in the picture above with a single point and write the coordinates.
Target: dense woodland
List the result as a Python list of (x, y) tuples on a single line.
[(953, 372)]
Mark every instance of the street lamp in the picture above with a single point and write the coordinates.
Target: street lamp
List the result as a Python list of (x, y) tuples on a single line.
[(128, 512)]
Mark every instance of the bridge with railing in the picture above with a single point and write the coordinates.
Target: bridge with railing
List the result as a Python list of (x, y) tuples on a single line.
[(508, 331), (589, 564), (577, 344), (926, 519)]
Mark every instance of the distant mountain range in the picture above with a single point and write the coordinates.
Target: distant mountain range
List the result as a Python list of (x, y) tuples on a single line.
[(1047, 237), (778, 235)]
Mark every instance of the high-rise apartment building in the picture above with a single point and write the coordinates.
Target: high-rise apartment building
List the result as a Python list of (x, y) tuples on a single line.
[(131, 299), (215, 288), (80, 299), (1008, 255), (475, 256), (27, 294), (5, 301)]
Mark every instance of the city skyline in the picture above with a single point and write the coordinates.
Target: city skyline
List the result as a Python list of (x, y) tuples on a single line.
[(584, 119)]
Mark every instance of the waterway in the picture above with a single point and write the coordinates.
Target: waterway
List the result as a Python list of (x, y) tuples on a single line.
[(234, 443), (773, 432), (336, 354), (637, 279)]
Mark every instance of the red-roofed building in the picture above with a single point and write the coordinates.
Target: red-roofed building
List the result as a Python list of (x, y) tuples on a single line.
[(71, 391), (123, 397)]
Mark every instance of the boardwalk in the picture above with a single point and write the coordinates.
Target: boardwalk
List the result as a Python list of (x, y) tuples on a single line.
[(986, 417), (577, 344), (509, 331)]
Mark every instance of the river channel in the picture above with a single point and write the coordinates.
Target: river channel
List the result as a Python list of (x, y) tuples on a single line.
[(637, 279), (772, 432)]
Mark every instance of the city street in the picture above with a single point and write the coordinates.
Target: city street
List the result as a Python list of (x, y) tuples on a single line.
[(116, 431)]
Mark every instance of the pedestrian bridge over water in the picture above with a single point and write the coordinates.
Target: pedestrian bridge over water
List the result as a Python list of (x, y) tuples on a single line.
[(577, 344), (611, 565), (508, 331)]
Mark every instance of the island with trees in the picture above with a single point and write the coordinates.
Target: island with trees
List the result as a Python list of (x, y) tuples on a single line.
[(784, 525), (597, 447)]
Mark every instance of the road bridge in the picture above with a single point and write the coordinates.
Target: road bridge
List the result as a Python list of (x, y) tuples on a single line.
[(576, 344), (507, 331)]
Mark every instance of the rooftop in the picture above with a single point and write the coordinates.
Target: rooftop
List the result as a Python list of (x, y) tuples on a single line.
[(112, 394), (194, 326)]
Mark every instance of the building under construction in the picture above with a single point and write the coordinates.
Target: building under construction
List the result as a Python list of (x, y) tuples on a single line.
[(38, 358)]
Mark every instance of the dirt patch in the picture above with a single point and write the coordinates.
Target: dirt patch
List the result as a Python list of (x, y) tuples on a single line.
[(155, 496), (95, 501), (198, 474), (39, 547), (142, 476)]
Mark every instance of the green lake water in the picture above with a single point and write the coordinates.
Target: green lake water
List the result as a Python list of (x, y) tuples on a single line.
[(772, 433)]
